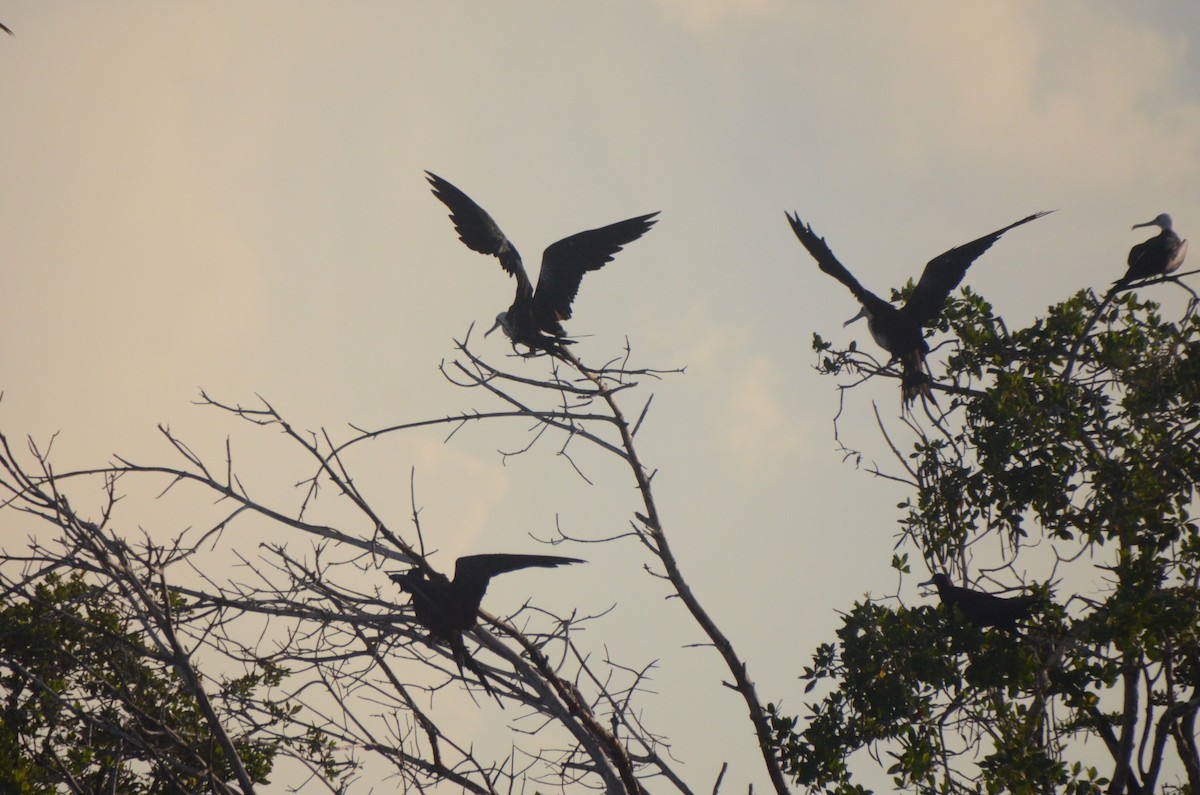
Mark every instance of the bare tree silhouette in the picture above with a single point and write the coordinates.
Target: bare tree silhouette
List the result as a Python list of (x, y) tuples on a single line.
[(356, 676)]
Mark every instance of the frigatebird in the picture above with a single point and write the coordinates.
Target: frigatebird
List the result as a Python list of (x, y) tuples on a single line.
[(1158, 256), (899, 331), (980, 608), (448, 608), (535, 317)]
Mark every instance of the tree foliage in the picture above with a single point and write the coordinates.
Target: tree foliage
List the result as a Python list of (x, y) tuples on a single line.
[(1063, 464), (137, 656), (90, 704)]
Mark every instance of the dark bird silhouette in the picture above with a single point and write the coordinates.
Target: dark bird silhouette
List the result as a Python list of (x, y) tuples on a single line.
[(448, 608), (899, 331), (980, 608), (1158, 256), (6, 29), (535, 317)]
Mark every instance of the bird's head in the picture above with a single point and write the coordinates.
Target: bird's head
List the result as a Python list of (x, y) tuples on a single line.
[(938, 580), (407, 579), (864, 312), (501, 323), (1162, 221)]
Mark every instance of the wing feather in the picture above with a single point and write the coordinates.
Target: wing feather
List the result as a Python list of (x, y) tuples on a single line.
[(829, 263), (479, 231), (1160, 255), (946, 271), (472, 572), (565, 262)]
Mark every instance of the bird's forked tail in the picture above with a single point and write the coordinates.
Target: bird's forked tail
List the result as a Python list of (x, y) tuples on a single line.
[(915, 379)]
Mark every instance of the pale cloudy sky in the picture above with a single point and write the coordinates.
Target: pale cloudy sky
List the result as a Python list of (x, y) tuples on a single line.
[(230, 196)]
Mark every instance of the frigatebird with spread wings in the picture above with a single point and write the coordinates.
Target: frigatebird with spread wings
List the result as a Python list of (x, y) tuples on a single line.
[(448, 608), (535, 317), (899, 331)]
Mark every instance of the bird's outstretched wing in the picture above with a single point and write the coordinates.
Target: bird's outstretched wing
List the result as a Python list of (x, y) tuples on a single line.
[(565, 262), (826, 260), (477, 229), (946, 271), (472, 572)]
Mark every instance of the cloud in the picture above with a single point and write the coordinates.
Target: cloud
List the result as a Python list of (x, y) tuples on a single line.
[(456, 492), (760, 433), (706, 16), (1045, 94)]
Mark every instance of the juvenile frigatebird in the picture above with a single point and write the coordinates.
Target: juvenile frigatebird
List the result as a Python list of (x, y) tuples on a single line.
[(448, 608), (1158, 256), (899, 331), (980, 608), (535, 317)]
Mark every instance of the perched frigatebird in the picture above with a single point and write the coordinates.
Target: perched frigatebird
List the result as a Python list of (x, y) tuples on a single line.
[(535, 317), (448, 608), (899, 331), (980, 608), (1158, 256)]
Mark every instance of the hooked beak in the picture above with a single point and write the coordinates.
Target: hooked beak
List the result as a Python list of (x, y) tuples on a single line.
[(1162, 221), (861, 313), (495, 326)]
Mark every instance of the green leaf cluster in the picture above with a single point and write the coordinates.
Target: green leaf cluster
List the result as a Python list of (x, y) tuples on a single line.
[(1063, 463), (89, 704)]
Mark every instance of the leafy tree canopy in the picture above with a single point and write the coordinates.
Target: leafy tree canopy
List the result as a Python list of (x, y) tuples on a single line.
[(1063, 466)]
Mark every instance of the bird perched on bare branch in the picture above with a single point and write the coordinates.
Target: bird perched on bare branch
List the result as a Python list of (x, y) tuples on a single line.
[(448, 608), (535, 317)]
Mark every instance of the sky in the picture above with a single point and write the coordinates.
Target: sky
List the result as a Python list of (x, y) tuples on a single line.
[(230, 197)]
